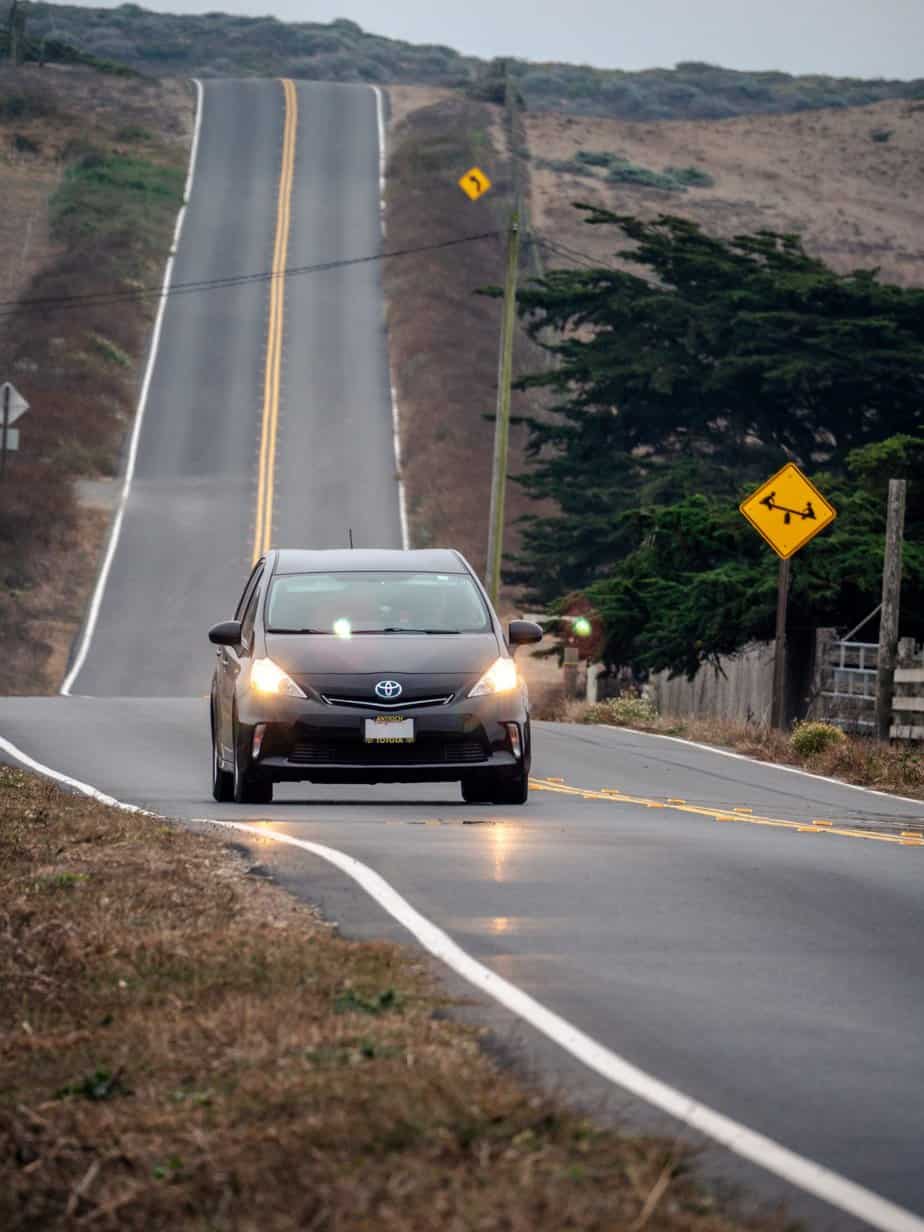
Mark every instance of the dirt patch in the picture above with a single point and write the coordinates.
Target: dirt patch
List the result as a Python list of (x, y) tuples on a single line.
[(182, 1045), (93, 167), (403, 100), (850, 180)]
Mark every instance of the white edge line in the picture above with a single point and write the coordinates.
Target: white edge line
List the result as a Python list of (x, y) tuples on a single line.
[(755, 761), (101, 581), (395, 416), (803, 1173)]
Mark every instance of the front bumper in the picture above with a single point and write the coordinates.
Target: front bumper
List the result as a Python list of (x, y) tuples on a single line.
[(313, 741)]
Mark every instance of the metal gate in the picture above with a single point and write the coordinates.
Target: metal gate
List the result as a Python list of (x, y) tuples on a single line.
[(849, 685)]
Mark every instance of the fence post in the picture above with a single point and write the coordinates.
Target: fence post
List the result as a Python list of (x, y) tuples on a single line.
[(891, 592)]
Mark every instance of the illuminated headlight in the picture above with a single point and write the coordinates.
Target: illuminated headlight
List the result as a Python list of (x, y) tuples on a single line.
[(266, 677), (501, 677)]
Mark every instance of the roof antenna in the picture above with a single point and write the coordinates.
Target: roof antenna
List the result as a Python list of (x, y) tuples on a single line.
[(351, 536)]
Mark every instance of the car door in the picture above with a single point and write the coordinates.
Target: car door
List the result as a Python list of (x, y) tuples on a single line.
[(229, 661)]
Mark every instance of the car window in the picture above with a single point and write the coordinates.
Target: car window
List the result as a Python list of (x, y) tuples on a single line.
[(252, 581), (249, 617), (345, 604)]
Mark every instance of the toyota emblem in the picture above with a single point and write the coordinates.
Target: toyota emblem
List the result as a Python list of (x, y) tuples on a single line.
[(388, 690)]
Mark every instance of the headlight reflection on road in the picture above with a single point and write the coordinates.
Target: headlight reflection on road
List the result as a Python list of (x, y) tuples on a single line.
[(501, 840)]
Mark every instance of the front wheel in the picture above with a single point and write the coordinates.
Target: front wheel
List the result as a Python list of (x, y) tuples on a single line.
[(222, 780), (248, 790), (496, 788)]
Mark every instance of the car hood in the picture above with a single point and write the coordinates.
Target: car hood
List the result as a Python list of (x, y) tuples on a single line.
[(395, 654)]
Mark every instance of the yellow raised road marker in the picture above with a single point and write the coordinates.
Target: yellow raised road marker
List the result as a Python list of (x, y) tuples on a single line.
[(740, 814), (263, 530)]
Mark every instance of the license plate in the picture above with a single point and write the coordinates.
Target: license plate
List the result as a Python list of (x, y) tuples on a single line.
[(389, 729)]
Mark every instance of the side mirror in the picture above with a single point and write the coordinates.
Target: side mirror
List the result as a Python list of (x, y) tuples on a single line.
[(523, 633), (228, 633)]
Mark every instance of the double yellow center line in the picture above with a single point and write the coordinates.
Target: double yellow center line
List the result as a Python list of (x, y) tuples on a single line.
[(906, 838), (264, 522)]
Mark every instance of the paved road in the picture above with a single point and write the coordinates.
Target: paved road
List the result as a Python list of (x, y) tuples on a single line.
[(188, 532), (771, 972)]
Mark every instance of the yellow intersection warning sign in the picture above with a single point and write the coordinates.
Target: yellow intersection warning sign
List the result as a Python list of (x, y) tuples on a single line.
[(788, 510), (474, 183)]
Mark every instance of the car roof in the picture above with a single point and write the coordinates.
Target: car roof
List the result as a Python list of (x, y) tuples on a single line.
[(348, 560)]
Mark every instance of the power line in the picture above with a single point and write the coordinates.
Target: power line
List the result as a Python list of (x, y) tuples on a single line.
[(101, 298), (585, 259)]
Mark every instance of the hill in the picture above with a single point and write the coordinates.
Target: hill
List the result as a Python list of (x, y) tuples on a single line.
[(850, 181), (93, 171), (217, 44)]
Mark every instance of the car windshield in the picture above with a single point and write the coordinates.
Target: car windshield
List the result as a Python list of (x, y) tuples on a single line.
[(350, 604)]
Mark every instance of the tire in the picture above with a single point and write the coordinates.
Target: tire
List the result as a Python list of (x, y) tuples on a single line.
[(512, 791), (476, 791), (496, 789), (222, 780), (246, 789)]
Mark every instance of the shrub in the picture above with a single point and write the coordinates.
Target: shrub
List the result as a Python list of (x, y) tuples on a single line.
[(630, 173), (596, 158), (811, 738), (623, 711), (690, 177), (25, 145), (881, 135)]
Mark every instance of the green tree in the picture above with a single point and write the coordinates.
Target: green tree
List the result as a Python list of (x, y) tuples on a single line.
[(707, 368), (701, 583)]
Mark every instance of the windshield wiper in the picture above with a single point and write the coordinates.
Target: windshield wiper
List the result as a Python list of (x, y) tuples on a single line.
[(298, 630), (403, 629)]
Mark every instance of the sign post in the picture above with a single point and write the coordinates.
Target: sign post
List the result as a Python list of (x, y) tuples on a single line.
[(787, 511), (12, 405)]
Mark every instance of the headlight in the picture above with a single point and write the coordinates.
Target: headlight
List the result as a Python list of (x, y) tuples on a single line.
[(501, 677), (266, 677)]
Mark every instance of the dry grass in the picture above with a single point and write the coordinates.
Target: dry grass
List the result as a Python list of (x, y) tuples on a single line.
[(184, 1046), (856, 201), (78, 369), (897, 768)]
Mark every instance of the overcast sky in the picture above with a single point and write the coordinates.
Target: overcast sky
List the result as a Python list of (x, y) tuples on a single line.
[(862, 38)]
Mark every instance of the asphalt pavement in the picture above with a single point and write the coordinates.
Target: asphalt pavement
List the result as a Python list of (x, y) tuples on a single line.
[(749, 935)]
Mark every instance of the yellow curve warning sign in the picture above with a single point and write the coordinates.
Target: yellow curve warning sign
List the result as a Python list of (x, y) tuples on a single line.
[(474, 183), (788, 510)]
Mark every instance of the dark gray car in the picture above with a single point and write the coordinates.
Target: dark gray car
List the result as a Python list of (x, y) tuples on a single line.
[(367, 666)]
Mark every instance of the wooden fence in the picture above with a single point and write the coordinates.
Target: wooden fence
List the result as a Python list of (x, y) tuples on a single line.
[(908, 700)]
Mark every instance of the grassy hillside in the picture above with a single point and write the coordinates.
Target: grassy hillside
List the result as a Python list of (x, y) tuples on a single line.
[(93, 168), (219, 44)]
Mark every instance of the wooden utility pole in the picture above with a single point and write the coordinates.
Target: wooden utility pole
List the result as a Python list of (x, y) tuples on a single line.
[(778, 704), (891, 594), (502, 424), (17, 31)]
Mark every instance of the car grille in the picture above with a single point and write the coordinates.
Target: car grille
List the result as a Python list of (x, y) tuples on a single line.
[(358, 753), (365, 704)]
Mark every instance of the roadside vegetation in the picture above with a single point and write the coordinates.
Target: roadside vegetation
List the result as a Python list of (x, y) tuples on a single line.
[(183, 1045), (229, 45), (815, 746), (94, 167), (685, 375)]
